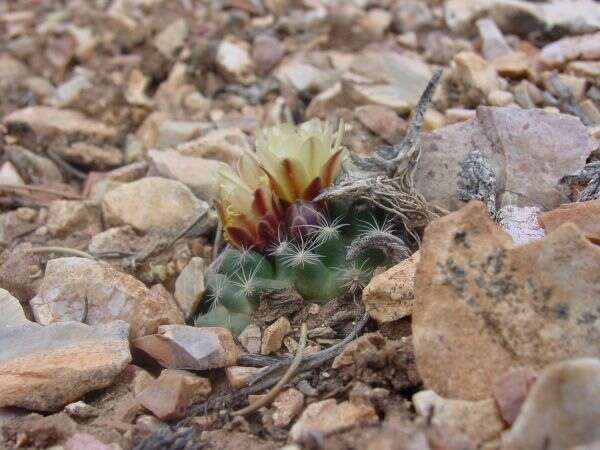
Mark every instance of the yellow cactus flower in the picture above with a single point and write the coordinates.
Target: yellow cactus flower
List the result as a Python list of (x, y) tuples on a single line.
[(300, 161), (290, 164), (248, 209)]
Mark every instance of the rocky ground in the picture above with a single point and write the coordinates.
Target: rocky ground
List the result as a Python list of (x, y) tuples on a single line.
[(115, 115)]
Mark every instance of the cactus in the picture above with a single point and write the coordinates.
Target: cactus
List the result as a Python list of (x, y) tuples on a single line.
[(319, 253), (280, 238)]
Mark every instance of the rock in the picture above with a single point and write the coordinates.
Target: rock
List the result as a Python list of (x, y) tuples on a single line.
[(81, 410), (391, 362), (119, 240), (273, 336), (592, 446), (70, 91), (523, 97), (170, 133), (234, 61), (32, 166), (561, 410), (189, 287), (567, 49), (387, 79), (70, 283), (226, 145), (152, 204), (382, 121), (583, 214), (514, 156), (11, 70), (480, 420), (475, 73), (495, 306), (68, 217), (46, 367), (521, 223), (591, 111), (457, 115), (38, 431), (515, 65), (135, 92), (43, 119), (510, 391), (192, 348), (9, 174), (92, 156), (238, 376), (196, 173), (500, 98), (328, 416), (390, 295), (288, 405), (304, 77), (442, 48), (267, 52), (20, 272), (129, 172), (12, 311), (590, 70), (493, 43), (169, 395), (84, 441), (251, 339), (9, 414), (522, 17), (136, 378), (412, 15), (171, 38), (433, 119), (576, 85)]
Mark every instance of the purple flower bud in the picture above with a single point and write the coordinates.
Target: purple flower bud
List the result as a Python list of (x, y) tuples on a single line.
[(301, 218)]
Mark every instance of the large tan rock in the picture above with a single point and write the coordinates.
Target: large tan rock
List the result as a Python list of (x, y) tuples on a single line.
[(70, 283), (561, 410), (483, 305), (152, 203), (390, 295), (45, 368)]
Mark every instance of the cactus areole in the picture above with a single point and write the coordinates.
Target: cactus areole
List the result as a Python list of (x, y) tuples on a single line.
[(279, 238)]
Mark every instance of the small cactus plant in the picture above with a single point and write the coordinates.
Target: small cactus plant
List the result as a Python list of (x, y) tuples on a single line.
[(280, 238)]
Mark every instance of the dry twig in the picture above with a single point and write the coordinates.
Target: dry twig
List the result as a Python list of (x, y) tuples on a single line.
[(67, 250)]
